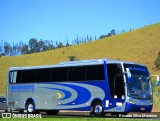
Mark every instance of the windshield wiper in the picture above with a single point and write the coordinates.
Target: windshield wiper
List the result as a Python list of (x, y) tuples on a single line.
[(143, 98)]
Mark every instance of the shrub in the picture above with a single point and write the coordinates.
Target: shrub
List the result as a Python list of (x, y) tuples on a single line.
[(72, 58), (157, 61)]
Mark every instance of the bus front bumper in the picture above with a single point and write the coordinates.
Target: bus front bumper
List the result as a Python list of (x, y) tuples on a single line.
[(137, 108)]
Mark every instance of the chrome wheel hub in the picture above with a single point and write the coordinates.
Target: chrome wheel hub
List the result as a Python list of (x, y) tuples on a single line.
[(98, 109), (30, 108)]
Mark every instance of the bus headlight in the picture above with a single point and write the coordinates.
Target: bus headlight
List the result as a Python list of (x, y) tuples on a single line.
[(131, 101)]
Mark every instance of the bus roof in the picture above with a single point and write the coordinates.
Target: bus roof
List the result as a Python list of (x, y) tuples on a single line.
[(74, 63)]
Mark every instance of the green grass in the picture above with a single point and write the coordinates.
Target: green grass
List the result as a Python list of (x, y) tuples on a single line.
[(79, 119)]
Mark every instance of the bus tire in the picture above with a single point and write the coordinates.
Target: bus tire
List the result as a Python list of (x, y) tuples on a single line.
[(98, 109), (9, 110), (21, 111), (30, 107), (52, 112), (117, 115)]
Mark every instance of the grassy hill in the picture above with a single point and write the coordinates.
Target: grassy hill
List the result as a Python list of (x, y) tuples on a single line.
[(141, 45)]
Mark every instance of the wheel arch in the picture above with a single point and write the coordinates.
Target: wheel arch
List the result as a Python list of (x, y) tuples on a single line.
[(30, 100), (96, 100)]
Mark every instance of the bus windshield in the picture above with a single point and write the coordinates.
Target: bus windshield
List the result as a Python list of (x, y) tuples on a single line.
[(140, 85)]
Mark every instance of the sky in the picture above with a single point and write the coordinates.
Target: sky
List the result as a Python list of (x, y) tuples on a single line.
[(57, 20)]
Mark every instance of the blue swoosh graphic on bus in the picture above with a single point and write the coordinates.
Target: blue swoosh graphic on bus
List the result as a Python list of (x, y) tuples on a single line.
[(67, 93), (73, 95), (84, 95)]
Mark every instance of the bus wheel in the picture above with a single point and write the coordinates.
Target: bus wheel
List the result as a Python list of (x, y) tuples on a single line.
[(21, 111), (30, 107), (98, 109), (9, 110), (52, 112)]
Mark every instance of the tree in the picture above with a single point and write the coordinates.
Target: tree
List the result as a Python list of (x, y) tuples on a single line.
[(25, 49), (67, 44), (13, 50), (102, 36), (41, 46), (33, 45), (109, 34), (72, 58), (2, 54), (60, 45), (113, 32), (7, 48), (157, 61), (49, 46), (87, 38), (1, 46), (90, 39), (95, 38)]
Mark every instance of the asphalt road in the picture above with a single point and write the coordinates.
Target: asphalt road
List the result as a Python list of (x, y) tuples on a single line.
[(80, 114)]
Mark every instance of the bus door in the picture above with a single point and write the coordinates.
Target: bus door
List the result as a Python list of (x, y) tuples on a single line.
[(119, 94), (116, 86)]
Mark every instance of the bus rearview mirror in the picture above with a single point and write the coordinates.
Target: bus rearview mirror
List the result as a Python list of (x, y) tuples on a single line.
[(155, 80), (129, 75)]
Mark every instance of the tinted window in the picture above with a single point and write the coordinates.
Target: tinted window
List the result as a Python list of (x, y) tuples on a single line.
[(113, 70), (95, 72), (119, 86), (43, 75), (19, 76), (28, 76), (59, 74), (137, 69), (12, 77), (77, 73), (3, 99)]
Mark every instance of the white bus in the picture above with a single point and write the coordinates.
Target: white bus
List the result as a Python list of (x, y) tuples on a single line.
[(100, 86)]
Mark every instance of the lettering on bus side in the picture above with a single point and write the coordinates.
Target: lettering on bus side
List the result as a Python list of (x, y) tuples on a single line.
[(137, 69), (23, 88)]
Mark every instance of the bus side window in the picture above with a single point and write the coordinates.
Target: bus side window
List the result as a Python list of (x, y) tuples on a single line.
[(59, 74), (95, 72), (19, 76), (28, 76), (12, 77), (43, 75), (77, 73)]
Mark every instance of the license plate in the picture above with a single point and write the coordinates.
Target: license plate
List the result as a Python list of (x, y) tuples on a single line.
[(143, 109)]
